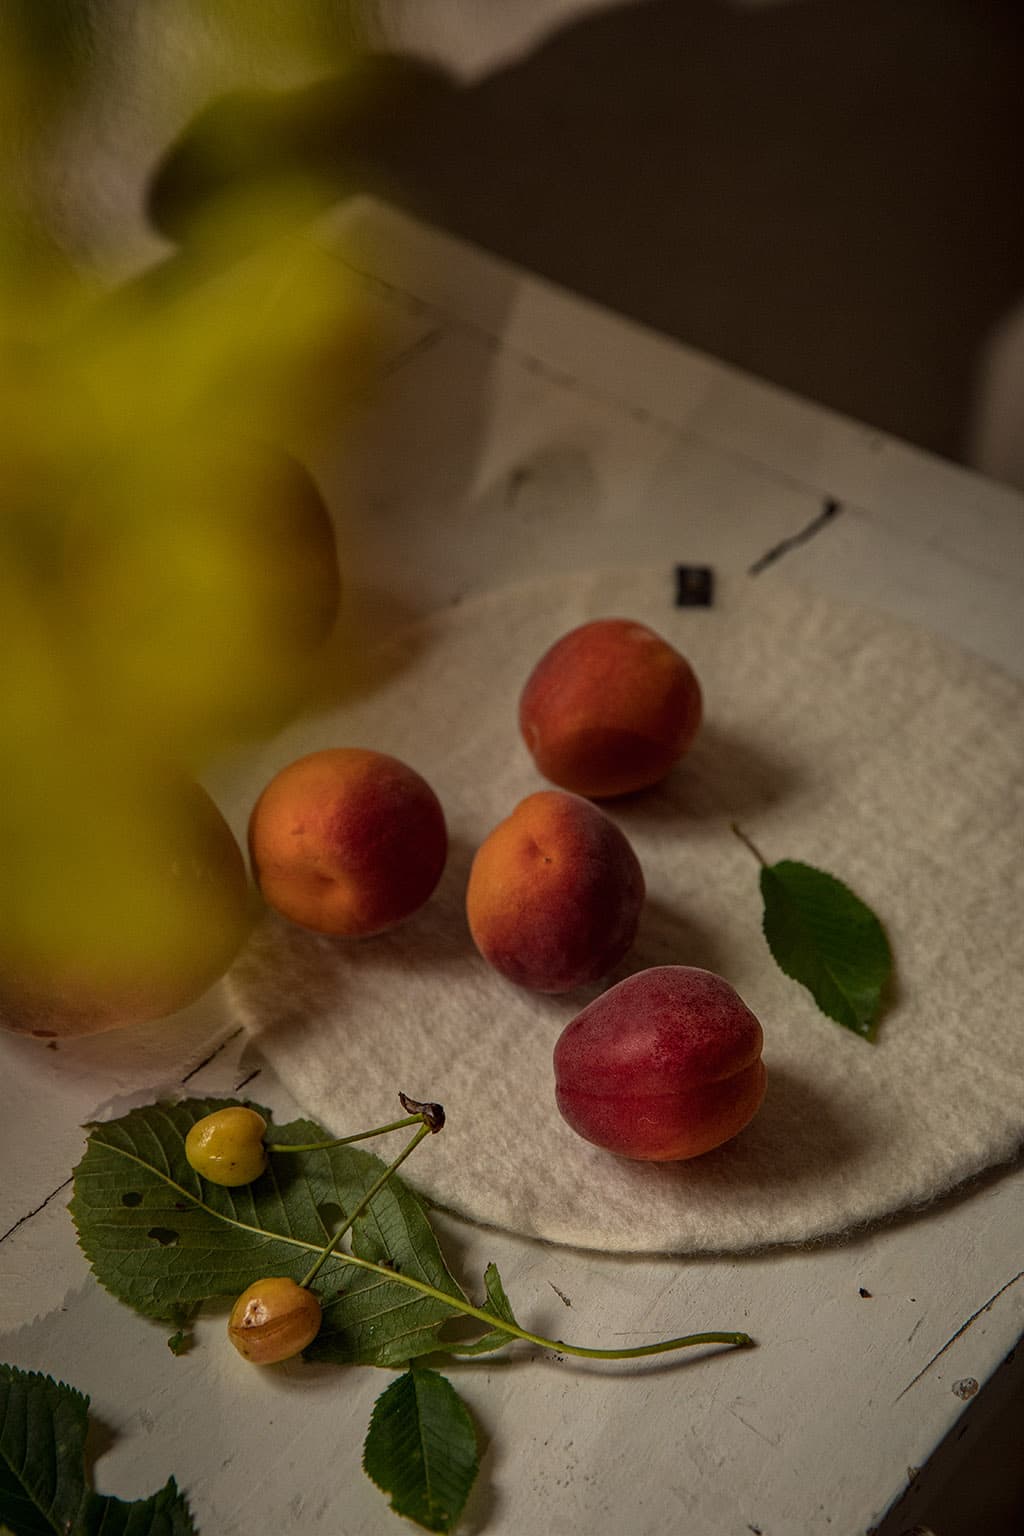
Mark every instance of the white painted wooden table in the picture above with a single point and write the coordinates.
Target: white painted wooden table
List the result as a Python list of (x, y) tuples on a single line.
[(517, 431)]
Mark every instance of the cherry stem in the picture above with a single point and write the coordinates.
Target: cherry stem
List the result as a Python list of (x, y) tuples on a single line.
[(738, 1340), (343, 1141), (424, 1130), (430, 1119), (758, 855)]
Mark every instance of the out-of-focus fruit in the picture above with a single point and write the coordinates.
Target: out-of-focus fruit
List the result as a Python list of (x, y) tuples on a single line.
[(124, 898), (204, 611)]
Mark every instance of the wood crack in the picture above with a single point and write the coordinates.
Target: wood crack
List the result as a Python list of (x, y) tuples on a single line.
[(41, 1206), (961, 1330), (213, 1054), (830, 509)]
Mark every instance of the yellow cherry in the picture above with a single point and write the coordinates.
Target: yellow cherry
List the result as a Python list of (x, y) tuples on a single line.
[(273, 1320), (227, 1146)]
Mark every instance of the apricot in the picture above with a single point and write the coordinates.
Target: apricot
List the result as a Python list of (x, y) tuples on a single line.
[(125, 898), (554, 893), (609, 709), (663, 1066), (347, 841)]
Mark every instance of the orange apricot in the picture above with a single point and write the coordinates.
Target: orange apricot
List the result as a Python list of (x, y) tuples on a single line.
[(347, 841), (554, 893)]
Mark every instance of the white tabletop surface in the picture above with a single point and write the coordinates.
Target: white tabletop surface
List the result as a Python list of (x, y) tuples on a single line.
[(516, 431)]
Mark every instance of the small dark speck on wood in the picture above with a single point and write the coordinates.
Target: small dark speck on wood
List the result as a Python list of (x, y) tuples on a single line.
[(695, 586), (863, 1292), (517, 481)]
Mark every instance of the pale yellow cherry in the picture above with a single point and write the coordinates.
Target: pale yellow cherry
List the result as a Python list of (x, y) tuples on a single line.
[(227, 1147), (273, 1320)]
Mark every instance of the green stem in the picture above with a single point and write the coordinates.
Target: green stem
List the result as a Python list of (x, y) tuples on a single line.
[(745, 840), (374, 1189), (342, 1141), (740, 1340)]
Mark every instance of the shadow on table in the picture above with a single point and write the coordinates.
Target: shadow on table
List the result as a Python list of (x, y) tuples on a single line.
[(796, 1139)]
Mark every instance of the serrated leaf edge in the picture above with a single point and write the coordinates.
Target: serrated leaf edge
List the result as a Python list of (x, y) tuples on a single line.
[(89, 1501), (410, 1375), (500, 1308), (865, 1029), (341, 1259)]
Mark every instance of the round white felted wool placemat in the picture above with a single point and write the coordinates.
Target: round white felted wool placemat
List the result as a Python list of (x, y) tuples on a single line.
[(833, 736)]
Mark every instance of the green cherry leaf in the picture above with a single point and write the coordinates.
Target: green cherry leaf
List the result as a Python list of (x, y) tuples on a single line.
[(369, 1320), (43, 1489), (826, 938), (420, 1449), (163, 1240), (498, 1304)]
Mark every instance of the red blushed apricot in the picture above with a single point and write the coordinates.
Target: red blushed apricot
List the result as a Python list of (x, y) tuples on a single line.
[(609, 709), (663, 1066), (347, 841), (554, 893)]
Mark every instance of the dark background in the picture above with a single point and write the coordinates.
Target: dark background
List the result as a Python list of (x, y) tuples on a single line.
[(827, 194)]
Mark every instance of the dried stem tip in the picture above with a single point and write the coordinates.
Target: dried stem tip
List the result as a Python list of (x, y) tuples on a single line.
[(433, 1114)]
